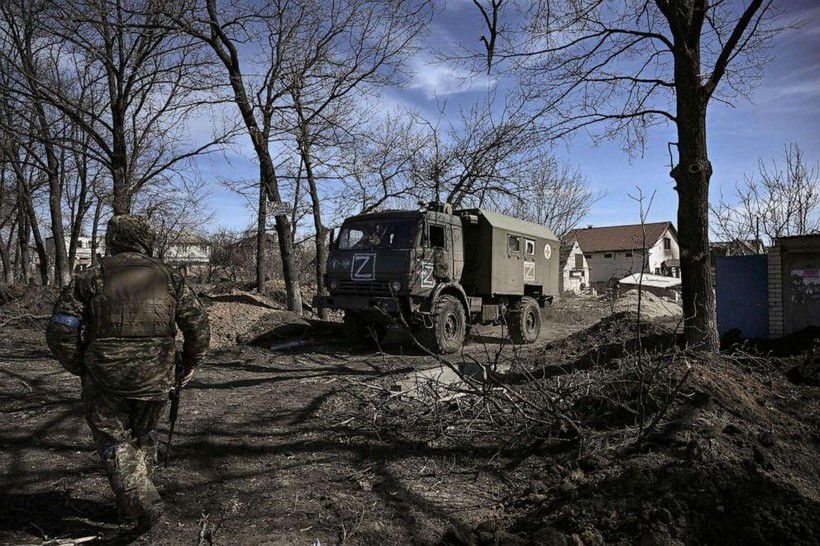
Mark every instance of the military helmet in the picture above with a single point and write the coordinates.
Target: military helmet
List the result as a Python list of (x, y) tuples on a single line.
[(129, 233)]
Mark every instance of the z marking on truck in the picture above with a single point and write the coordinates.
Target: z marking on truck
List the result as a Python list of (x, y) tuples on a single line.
[(364, 267), (529, 271), (427, 280)]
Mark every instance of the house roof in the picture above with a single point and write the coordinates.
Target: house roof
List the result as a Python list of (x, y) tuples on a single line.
[(620, 238)]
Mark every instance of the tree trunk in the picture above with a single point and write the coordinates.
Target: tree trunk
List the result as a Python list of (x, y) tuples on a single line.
[(23, 273), (5, 258), (261, 221), (94, 229), (42, 253), (321, 231), (283, 232), (55, 201), (692, 176)]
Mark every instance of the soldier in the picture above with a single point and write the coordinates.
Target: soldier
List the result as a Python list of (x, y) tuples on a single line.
[(114, 326)]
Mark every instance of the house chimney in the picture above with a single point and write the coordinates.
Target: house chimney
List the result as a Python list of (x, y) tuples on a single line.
[(589, 226)]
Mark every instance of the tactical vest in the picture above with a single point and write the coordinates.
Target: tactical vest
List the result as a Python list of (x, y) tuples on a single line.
[(137, 299)]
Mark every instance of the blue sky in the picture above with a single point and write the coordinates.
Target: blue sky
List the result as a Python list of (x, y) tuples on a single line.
[(783, 108)]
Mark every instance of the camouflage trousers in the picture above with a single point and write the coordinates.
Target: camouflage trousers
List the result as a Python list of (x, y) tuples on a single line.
[(123, 431)]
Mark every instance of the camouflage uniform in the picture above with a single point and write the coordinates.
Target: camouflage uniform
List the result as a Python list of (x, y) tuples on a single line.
[(114, 326)]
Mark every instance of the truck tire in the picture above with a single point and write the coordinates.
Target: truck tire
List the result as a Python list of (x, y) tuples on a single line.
[(449, 326), (354, 327), (524, 322)]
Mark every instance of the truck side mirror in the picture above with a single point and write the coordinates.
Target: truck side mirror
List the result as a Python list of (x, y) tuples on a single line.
[(332, 236)]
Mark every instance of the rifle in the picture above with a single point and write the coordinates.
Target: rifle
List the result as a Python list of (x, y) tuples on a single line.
[(173, 395)]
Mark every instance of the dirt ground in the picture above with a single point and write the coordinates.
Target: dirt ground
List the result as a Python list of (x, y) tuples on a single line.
[(605, 431)]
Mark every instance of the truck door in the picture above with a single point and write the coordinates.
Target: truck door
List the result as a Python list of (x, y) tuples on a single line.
[(439, 244)]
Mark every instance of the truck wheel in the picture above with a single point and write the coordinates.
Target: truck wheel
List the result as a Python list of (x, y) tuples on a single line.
[(524, 322), (449, 326), (355, 328)]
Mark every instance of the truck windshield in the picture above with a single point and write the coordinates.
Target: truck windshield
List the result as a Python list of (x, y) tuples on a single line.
[(382, 233)]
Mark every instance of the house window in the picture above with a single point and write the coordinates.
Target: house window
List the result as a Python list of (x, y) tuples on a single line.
[(657, 271), (79, 244), (514, 243), (579, 261), (667, 243), (588, 256), (529, 247), (628, 254), (609, 255)]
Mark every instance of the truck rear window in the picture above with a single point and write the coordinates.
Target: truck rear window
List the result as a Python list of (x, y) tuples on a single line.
[(382, 233)]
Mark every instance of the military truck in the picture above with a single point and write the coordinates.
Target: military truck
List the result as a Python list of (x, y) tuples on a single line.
[(438, 271)]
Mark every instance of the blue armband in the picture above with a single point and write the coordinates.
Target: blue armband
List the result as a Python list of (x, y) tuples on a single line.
[(67, 320)]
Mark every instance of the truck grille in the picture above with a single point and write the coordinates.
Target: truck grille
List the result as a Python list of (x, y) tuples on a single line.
[(364, 287)]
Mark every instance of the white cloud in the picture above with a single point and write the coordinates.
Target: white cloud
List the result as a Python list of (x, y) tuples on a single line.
[(436, 79)]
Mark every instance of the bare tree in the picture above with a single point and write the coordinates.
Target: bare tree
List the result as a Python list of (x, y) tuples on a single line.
[(781, 202), (151, 78), (35, 125), (257, 91), (376, 169), (552, 194), (177, 211), (631, 65), (348, 48), (474, 161)]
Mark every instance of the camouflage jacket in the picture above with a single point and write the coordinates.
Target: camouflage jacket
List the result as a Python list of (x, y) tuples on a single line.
[(141, 368)]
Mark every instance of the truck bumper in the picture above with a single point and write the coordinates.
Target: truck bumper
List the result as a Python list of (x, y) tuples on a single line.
[(366, 304)]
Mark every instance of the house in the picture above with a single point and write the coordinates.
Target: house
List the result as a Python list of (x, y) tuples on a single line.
[(188, 250), (574, 268), (614, 252), (83, 253)]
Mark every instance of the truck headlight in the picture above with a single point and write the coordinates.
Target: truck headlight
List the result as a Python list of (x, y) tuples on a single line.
[(395, 286), (333, 284)]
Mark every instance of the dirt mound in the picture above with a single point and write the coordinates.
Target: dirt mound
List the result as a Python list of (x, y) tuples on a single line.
[(611, 337), (652, 307), (231, 320), (735, 463)]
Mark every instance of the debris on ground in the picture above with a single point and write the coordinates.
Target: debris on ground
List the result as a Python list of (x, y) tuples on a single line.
[(652, 306), (605, 431)]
